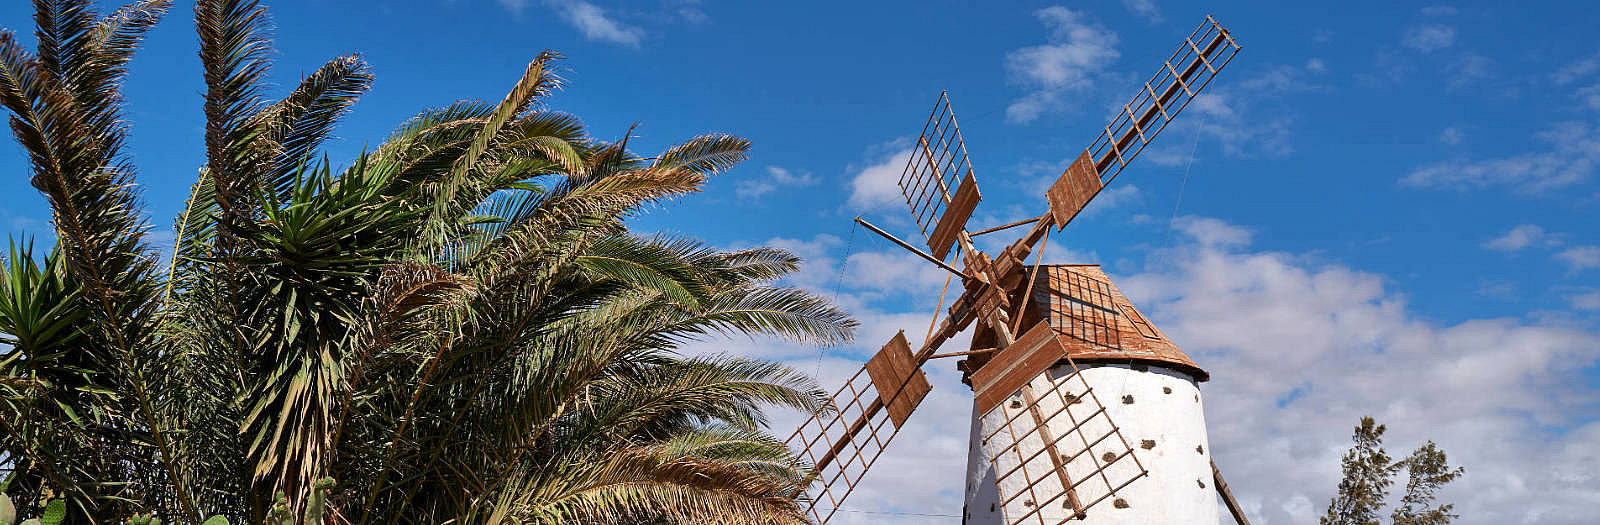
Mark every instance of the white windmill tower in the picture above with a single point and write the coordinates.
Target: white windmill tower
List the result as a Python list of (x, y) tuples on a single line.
[(1082, 409)]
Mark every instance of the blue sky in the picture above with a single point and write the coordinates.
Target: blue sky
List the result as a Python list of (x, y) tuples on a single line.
[(1389, 208)]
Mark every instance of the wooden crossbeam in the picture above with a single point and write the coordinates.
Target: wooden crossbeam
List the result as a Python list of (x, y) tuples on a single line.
[(1227, 496)]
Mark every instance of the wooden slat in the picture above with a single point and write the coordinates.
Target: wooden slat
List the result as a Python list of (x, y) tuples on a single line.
[(1140, 324), (1009, 369), (1227, 496), (900, 383), (955, 217), (1041, 422), (1073, 190)]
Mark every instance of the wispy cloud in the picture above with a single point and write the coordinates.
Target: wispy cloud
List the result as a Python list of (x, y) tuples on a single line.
[(1077, 50), (592, 21), (1251, 117), (689, 11), (755, 187), (1144, 8), (1439, 10), (1588, 300), (1578, 69), (1571, 156), (1430, 38), (1579, 258), (1436, 49), (1452, 136), (1521, 237), (1469, 68), (1589, 96)]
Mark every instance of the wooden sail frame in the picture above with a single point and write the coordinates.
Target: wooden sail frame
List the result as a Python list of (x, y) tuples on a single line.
[(841, 446), (938, 181), (1189, 70), (1057, 477)]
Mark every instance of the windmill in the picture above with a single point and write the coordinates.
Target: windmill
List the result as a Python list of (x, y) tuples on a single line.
[(1052, 342)]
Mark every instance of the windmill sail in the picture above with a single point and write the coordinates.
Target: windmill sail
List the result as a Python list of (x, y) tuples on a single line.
[(1188, 71), (842, 445), (1055, 450), (938, 182)]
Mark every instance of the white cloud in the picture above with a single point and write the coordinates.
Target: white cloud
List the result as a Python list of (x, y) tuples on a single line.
[(818, 267), (1316, 65), (1521, 237), (1572, 157), (1111, 198), (1579, 258), (753, 188), (590, 20), (1214, 232), (1452, 136), (878, 185), (1032, 105), (1214, 105), (1270, 324), (1430, 38), (1076, 51), (787, 178), (1144, 8), (896, 273)]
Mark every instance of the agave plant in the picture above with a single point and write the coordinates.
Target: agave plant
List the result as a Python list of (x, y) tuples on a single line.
[(457, 325)]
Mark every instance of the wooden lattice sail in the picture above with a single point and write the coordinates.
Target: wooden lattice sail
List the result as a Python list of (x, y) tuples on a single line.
[(841, 446), (1055, 450), (1190, 69), (938, 180)]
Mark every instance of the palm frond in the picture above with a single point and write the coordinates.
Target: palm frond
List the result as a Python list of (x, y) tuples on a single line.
[(536, 81), (233, 54), (298, 124)]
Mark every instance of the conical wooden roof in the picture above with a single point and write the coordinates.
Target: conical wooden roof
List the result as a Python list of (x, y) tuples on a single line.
[(1096, 322), (1092, 321)]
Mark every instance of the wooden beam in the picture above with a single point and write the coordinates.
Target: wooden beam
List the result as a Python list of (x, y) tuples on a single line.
[(1006, 226), (907, 246), (1055, 455), (1227, 496), (962, 353), (850, 433)]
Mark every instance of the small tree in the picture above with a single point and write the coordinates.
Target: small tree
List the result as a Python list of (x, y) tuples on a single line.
[(1426, 470), (1368, 472)]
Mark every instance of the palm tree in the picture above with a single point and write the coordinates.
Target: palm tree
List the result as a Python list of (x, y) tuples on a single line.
[(455, 327)]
